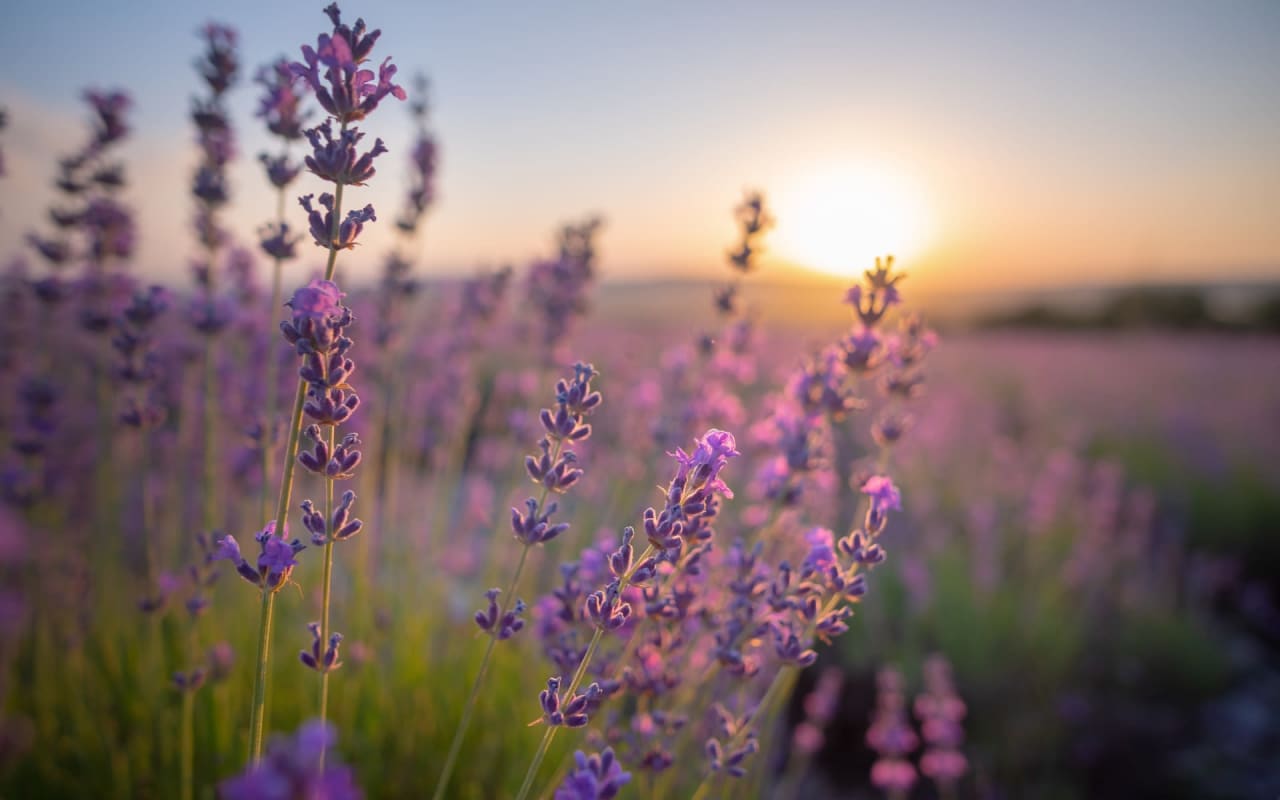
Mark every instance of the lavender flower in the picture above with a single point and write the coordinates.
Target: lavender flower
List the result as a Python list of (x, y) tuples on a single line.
[(557, 288), (891, 737), (884, 498), (332, 69), (109, 107), (219, 66), (940, 713), (422, 161), (336, 159), (502, 625), (321, 225), (570, 712), (289, 771), (277, 243), (595, 777), (280, 104), (321, 657), (281, 172), (819, 709), (555, 468), (275, 561)]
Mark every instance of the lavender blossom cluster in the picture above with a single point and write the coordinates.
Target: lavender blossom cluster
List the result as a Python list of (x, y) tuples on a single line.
[(672, 632)]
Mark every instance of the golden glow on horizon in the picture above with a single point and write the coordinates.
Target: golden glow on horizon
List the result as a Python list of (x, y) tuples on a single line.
[(839, 219)]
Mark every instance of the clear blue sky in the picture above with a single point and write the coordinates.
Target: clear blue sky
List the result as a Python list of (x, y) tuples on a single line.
[(1046, 141)]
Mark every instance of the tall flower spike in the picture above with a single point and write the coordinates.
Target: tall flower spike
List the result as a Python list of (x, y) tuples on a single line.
[(280, 104)]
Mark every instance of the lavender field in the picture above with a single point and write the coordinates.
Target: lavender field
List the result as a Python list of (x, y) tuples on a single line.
[(312, 520)]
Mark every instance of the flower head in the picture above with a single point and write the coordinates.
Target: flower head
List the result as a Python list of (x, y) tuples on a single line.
[(884, 495), (710, 453), (318, 300), (290, 771), (333, 69), (336, 159), (280, 102), (598, 776)]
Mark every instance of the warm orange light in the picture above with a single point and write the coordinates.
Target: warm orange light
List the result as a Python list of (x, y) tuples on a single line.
[(839, 219)]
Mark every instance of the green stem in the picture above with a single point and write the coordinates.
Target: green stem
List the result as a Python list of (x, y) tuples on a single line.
[(188, 744), (508, 599), (273, 366), (146, 533), (550, 732), (337, 220), (260, 677), (455, 747), (256, 719), (328, 581), (209, 508), (257, 715), (779, 680)]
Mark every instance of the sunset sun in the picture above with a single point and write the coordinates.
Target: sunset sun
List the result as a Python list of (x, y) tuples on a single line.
[(837, 220)]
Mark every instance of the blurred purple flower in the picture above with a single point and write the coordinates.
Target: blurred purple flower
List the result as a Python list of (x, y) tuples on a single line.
[(595, 777), (290, 771)]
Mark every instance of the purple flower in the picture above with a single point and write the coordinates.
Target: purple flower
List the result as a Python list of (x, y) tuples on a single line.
[(884, 495), (730, 763), (219, 66), (711, 452), (55, 251), (348, 92), (277, 243), (228, 550), (109, 228), (940, 712), (565, 425), (822, 554), (321, 658), (280, 171), (110, 107), (275, 562), (336, 160), (595, 777), (493, 621), (319, 300), (321, 225), (290, 771), (280, 102), (571, 712), (422, 160), (863, 349)]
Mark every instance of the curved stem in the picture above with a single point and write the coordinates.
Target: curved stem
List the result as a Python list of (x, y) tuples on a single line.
[(268, 597), (550, 733), (256, 719), (455, 747), (508, 599), (779, 681)]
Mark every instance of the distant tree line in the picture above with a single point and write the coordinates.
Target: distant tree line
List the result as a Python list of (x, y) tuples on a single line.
[(1183, 309)]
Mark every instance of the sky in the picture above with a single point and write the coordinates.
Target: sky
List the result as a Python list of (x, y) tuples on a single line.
[(988, 145)]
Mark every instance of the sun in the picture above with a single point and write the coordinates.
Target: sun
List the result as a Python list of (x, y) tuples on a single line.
[(837, 220)]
